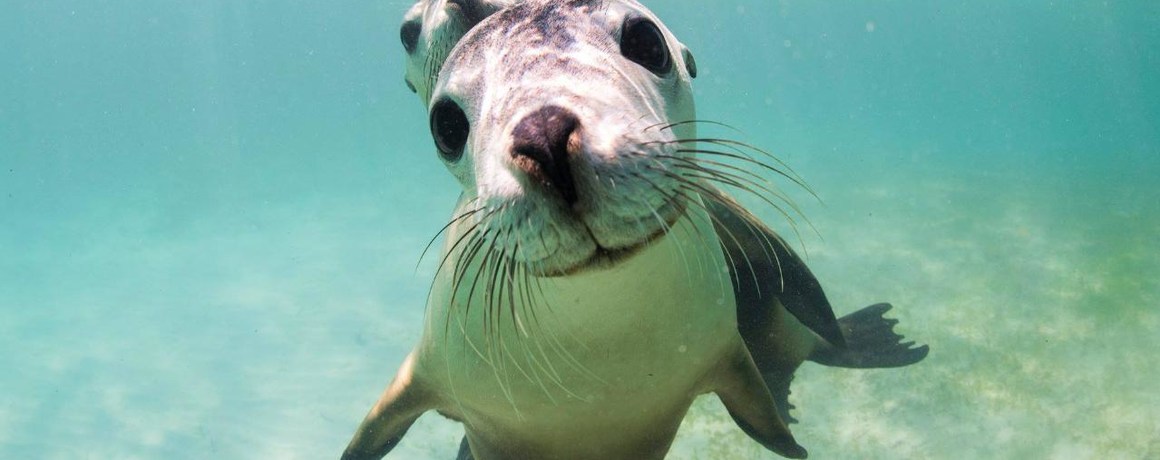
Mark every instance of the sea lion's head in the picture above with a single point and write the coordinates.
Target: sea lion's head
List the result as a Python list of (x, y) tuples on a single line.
[(569, 126), (429, 32)]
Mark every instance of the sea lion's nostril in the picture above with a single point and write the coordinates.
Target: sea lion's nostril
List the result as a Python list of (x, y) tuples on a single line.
[(540, 147)]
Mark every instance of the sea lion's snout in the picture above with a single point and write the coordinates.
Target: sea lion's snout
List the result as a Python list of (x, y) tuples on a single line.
[(543, 143), (567, 123)]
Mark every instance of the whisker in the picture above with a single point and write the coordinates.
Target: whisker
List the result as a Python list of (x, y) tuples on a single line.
[(739, 186), (743, 175), (737, 146), (665, 225), (557, 346), (755, 228), (463, 266), (470, 232), (789, 172), (745, 184), (713, 164), (797, 211), (509, 270), (668, 126), (456, 219), (791, 176), (736, 241), (470, 236), (495, 346), (682, 182)]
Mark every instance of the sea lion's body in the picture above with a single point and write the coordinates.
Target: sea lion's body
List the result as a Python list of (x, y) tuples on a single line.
[(595, 280), (619, 364)]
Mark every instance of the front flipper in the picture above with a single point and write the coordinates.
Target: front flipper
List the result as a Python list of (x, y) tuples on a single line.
[(743, 392), (464, 451), (397, 409), (778, 385)]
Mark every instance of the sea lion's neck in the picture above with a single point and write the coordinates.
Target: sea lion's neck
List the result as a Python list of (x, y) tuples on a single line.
[(673, 297)]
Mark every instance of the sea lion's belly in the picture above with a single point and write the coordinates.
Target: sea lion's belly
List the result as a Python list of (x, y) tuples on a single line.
[(597, 355)]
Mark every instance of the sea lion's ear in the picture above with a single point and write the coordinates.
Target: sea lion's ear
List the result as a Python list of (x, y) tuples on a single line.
[(690, 62), (400, 405)]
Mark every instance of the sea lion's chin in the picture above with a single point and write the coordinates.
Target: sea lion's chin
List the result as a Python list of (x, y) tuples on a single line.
[(601, 258)]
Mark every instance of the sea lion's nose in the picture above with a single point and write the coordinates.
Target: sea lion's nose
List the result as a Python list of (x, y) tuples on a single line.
[(541, 145)]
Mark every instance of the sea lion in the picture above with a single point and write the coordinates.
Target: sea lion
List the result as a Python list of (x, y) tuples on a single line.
[(431, 28), (595, 279)]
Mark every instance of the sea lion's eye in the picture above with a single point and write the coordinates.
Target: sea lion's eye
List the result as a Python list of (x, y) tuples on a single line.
[(450, 128), (643, 43), (409, 33)]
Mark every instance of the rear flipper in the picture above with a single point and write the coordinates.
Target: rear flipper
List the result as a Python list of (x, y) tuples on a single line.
[(778, 384), (870, 342)]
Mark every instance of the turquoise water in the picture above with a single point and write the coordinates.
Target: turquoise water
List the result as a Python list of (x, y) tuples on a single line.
[(211, 213)]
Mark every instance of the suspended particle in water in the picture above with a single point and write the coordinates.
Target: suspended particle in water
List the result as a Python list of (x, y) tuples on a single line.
[(870, 26)]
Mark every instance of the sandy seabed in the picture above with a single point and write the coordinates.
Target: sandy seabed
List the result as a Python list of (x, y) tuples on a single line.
[(265, 335)]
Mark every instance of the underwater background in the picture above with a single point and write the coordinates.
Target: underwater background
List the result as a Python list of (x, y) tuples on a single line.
[(211, 214)]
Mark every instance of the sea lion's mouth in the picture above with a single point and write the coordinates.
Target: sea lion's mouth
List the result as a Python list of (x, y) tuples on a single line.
[(604, 258)]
